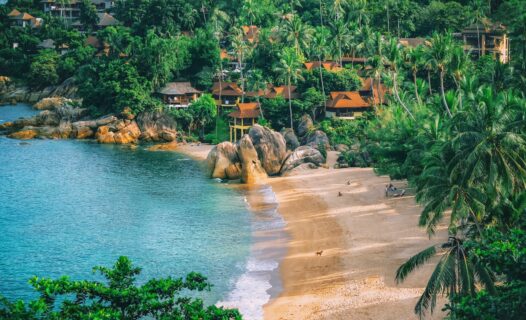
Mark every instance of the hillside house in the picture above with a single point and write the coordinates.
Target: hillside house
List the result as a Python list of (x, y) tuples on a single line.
[(178, 94), (243, 118)]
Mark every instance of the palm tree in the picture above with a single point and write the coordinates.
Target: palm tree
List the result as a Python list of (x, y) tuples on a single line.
[(458, 67), (393, 58), (241, 48), (297, 33), (415, 59), (257, 84), (319, 47), (480, 7), (289, 69), (456, 273), (440, 57), (341, 35), (359, 9)]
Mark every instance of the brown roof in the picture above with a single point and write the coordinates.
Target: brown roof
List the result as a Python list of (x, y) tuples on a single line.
[(485, 27), (106, 20), (14, 13), (178, 88), (226, 55), (327, 65), (251, 33), (283, 91), (347, 99), (93, 41), (227, 89), (22, 16), (246, 111)]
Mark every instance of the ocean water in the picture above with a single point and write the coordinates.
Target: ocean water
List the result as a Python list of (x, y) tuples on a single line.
[(66, 206)]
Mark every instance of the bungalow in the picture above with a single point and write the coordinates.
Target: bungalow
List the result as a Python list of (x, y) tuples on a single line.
[(243, 118), (229, 92), (50, 44), (346, 105), (23, 19), (370, 90), (327, 65), (283, 91), (486, 38), (71, 9), (178, 94), (105, 20)]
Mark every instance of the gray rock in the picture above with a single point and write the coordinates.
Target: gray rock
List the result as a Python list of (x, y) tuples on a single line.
[(302, 155), (270, 146), (317, 138), (223, 162), (106, 120), (252, 171), (153, 123), (305, 125), (301, 168), (290, 139)]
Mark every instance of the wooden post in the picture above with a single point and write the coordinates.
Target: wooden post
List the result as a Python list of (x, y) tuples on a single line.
[(483, 44), (230, 127)]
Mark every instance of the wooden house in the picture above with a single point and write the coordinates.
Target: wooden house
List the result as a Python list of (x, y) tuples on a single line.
[(178, 94), (346, 105), (486, 39), (243, 118), (372, 92), (105, 20), (23, 19), (229, 92)]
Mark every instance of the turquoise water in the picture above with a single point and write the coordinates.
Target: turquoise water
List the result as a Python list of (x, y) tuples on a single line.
[(66, 206)]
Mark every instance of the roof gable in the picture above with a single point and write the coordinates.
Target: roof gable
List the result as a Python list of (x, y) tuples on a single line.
[(178, 88)]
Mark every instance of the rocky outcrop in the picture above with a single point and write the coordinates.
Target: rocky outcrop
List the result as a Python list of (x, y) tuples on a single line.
[(24, 134), (81, 132), (252, 171), (316, 139), (300, 169), (270, 146), (157, 126), (223, 162), (51, 103), (118, 132), (9, 93), (291, 140), (300, 156), (305, 125)]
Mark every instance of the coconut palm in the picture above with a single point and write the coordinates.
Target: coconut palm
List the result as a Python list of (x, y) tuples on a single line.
[(393, 57), (289, 69), (458, 272), (256, 83), (458, 67), (241, 49), (297, 34), (415, 59), (320, 49), (342, 35), (440, 48)]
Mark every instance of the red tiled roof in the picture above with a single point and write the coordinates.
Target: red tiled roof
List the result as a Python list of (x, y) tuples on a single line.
[(251, 33), (327, 65), (283, 91), (347, 99), (246, 111), (227, 89)]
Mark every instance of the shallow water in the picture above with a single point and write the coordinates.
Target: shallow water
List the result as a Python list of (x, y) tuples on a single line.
[(66, 206)]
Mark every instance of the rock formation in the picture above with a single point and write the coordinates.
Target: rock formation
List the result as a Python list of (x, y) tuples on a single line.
[(252, 171), (223, 162), (302, 155), (157, 126), (290, 139), (270, 146), (305, 125)]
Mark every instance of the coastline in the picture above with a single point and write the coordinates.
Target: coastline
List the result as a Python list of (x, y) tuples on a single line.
[(364, 238)]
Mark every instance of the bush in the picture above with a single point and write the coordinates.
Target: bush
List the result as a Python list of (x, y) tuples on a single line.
[(43, 69)]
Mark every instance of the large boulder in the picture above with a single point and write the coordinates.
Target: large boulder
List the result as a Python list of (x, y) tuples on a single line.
[(305, 125), (157, 125), (81, 132), (106, 120), (24, 134), (270, 146), (51, 103), (316, 139), (252, 171), (302, 155), (290, 139), (223, 162)]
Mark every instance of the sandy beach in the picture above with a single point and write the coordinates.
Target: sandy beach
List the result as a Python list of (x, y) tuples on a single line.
[(364, 238)]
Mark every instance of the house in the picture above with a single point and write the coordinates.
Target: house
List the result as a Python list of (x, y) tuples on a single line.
[(70, 10), (243, 118), (486, 38), (372, 92), (178, 94), (283, 91), (346, 105), (105, 20), (51, 45), (229, 92), (327, 65), (251, 33), (23, 19)]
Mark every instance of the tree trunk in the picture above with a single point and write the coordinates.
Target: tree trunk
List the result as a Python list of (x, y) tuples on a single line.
[(429, 82), (322, 87), (290, 107), (242, 79), (443, 94), (416, 89), (395, 89)]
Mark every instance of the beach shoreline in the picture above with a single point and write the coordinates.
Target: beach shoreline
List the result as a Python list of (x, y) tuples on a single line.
[(362, 238)]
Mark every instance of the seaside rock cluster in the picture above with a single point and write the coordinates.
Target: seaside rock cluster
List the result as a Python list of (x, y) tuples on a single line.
[(261, 153), (308, 135), (60, 120), (11, 94)]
